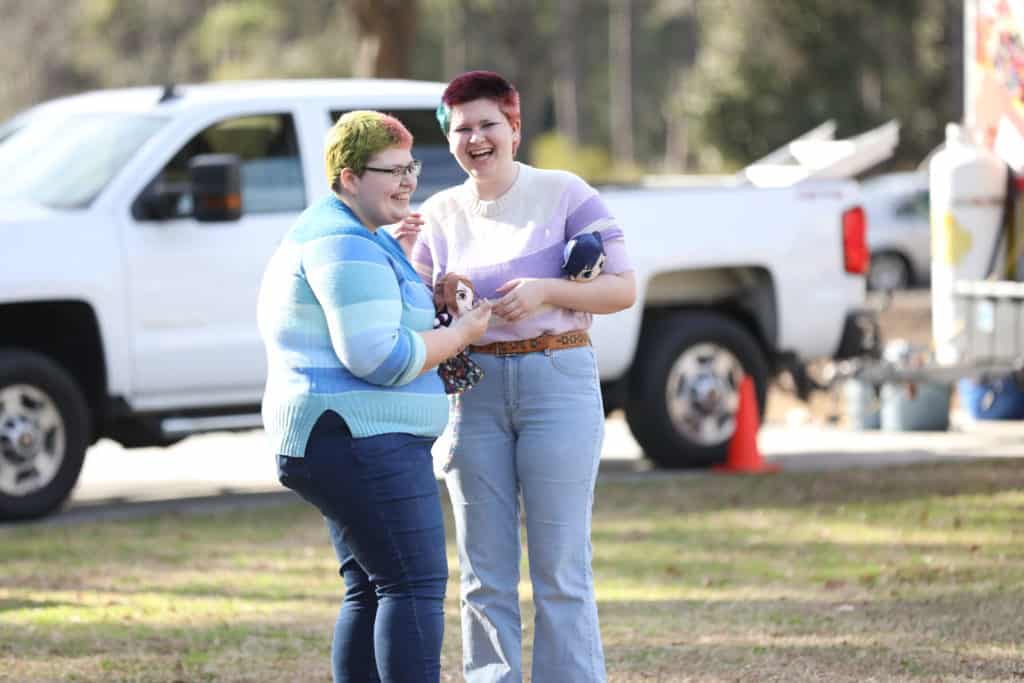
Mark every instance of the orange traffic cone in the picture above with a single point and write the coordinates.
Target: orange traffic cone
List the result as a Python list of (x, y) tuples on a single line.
[(744, 456)]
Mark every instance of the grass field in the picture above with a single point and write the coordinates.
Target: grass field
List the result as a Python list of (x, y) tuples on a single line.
[(907, 574)]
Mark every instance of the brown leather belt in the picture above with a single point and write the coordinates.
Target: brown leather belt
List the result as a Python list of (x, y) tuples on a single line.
[(545, 342)]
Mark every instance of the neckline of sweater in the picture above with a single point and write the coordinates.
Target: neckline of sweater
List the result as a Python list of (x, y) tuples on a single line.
[(494, 207)]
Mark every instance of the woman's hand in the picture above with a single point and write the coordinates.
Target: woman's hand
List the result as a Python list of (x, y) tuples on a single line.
[(408, 231), (473, 324), (522, 297)]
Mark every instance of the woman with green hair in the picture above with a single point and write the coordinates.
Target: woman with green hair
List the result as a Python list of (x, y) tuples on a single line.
[(351, 407)]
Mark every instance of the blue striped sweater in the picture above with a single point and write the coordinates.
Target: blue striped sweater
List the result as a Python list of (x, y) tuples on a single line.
[(339, 311)]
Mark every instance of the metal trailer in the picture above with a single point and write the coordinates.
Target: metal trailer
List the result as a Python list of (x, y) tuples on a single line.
[(989, 342)]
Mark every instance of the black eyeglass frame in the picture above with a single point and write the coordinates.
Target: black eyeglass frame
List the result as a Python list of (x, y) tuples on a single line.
[(414, 168)]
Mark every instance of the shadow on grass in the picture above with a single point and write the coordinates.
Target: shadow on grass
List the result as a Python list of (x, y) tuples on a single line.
[(118, 508), (10, 605), (681, 564), (680, 491), (703, 492), (214, 591)]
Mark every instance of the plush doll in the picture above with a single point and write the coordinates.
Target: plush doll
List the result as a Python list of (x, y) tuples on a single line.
[(584, 257), (453, 296)]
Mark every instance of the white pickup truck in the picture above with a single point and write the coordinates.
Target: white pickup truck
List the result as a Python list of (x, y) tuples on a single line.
[(135, 225)]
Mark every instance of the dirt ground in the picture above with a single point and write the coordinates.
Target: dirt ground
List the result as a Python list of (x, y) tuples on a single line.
[(906, 316)]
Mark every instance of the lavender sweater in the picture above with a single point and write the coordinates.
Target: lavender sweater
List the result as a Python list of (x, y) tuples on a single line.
[(521, 234)]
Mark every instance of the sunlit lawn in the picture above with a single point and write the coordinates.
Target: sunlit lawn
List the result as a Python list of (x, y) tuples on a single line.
[(910, 574)]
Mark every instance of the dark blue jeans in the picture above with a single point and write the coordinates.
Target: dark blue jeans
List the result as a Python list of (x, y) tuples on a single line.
[(380, 499)]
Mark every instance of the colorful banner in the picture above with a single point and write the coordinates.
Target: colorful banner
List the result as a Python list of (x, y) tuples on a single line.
[(995, 77)]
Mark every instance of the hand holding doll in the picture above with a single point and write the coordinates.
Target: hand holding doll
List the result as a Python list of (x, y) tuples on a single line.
[(454, 302)]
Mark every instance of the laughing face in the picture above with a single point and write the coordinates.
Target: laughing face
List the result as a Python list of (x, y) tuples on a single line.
[(482, 140), (381, 197)]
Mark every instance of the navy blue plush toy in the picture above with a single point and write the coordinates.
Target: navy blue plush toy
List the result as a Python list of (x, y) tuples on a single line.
[(584, 257)]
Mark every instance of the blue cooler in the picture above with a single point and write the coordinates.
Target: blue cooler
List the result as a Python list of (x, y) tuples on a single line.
[(999, 399)]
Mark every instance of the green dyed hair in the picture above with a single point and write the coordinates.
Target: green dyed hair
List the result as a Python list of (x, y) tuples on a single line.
[(356, 137)]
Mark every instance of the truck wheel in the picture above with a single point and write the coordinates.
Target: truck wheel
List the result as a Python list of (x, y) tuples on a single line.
[(685, 387), (44, 431), (888, 270)]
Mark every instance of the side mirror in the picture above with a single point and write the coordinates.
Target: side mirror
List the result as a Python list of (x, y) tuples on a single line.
[(159, 202), (216, 181)]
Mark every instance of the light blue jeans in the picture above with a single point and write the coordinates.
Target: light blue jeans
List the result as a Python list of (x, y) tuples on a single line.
[(532, 428)]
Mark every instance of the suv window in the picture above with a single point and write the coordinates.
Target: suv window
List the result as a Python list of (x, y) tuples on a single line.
[(271, 166), (440, 170)]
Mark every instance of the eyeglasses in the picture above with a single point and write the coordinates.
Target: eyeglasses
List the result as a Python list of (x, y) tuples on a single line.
[(413, 169)]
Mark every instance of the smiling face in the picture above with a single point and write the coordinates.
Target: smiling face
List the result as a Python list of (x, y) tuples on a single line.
[(454, 294), (463, 299), (377, 197), (483, 141)]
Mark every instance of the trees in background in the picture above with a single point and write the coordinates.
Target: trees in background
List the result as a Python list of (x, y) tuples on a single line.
[(566, 90), (775, 69), (386, 31), (37, 59), (670, 84), (620, 75)]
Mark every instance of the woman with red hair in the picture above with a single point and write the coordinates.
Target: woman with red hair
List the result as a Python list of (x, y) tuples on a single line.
[(533, 426)]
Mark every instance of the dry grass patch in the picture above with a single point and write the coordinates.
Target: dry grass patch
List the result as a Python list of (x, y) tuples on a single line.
[(907, 574)]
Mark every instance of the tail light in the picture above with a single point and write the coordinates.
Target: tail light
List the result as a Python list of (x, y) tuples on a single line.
[(856, 256)]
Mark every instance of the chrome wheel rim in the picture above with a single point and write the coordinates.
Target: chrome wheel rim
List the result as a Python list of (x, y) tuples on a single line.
[(702, 394), (33, 438)]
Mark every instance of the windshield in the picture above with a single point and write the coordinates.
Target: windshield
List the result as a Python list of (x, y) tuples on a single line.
[(65, 161)]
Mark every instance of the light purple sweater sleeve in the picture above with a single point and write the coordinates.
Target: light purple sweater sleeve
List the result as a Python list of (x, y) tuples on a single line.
[(587, 212)]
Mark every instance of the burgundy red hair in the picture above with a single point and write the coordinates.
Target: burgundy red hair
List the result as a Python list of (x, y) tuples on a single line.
[(475, 85)]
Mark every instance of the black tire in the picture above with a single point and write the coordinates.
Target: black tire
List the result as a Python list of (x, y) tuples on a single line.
[(889, 270), (689, 339), (28, 381), (612, 396)]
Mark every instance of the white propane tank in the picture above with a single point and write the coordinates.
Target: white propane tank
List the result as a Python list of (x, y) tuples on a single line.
[(967, 186)]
